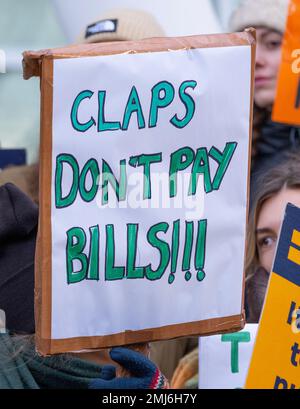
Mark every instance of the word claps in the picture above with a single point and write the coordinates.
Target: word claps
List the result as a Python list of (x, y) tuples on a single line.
[(162, 95)]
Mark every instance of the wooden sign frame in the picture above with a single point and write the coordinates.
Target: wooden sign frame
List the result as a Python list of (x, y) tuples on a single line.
[(41, 64)]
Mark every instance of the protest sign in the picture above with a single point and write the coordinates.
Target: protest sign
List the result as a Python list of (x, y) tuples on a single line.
[(144, 180), (287, 103), (224, 359), (275, 361)]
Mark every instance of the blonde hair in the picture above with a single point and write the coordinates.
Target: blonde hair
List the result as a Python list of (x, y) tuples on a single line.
[(284, 175)]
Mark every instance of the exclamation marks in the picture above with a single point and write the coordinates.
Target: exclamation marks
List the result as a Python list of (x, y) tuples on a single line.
[(200, 249), (186, 261), (200, 245), (175, 248)]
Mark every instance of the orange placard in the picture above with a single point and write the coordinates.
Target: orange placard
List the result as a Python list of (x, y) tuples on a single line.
[(287, 103)]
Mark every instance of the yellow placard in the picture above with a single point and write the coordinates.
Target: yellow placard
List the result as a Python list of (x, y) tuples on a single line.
[(275, 362), (275, 353)]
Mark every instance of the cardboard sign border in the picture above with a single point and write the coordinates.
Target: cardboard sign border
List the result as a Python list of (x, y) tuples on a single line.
[(41, 64)]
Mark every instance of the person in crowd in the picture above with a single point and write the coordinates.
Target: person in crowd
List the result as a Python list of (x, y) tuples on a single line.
[(270, 140), (277, 187)]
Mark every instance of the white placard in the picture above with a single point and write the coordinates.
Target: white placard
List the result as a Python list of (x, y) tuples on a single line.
[(224, 359), (206, 93)]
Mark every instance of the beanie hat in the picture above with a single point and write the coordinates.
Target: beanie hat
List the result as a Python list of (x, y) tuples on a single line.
[(260, 13), (18, 228), (122, 25)]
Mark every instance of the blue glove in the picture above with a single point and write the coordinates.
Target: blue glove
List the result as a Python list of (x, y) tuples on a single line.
[(144, 373)]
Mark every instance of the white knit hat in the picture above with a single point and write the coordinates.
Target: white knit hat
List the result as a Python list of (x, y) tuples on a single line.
[(122, 25), (260, 13)]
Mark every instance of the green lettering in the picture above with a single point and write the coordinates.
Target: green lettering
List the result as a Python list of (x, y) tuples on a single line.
[(157, 102), (108, 177), (132, 271), (223, 160), (66, 201), (111, 271), (133, 105), (200, 166), (74, 112), (188, 245), (180, 160), (146, 161), (175, 249), (163, 249), (235, 339), (74, 251), (189, 104), (102, 124), (200, 249), (92, 167), (93, 273)]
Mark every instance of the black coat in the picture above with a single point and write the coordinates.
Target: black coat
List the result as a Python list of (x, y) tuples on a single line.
[(18, 229)]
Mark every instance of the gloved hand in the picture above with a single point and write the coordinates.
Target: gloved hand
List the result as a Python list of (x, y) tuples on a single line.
[(144, 373)]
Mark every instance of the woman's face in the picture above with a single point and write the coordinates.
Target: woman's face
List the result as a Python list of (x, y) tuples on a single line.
[(268, 57), (269, 222)]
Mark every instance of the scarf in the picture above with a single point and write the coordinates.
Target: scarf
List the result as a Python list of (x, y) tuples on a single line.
[(22, 368)]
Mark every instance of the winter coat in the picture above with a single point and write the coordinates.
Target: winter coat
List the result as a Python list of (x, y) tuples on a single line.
[(18, 229)]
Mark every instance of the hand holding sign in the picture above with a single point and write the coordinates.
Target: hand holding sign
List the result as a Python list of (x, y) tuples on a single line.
[(143, 373)]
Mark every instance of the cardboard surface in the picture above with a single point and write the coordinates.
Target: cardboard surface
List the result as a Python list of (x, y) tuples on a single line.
[(41, 63)]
